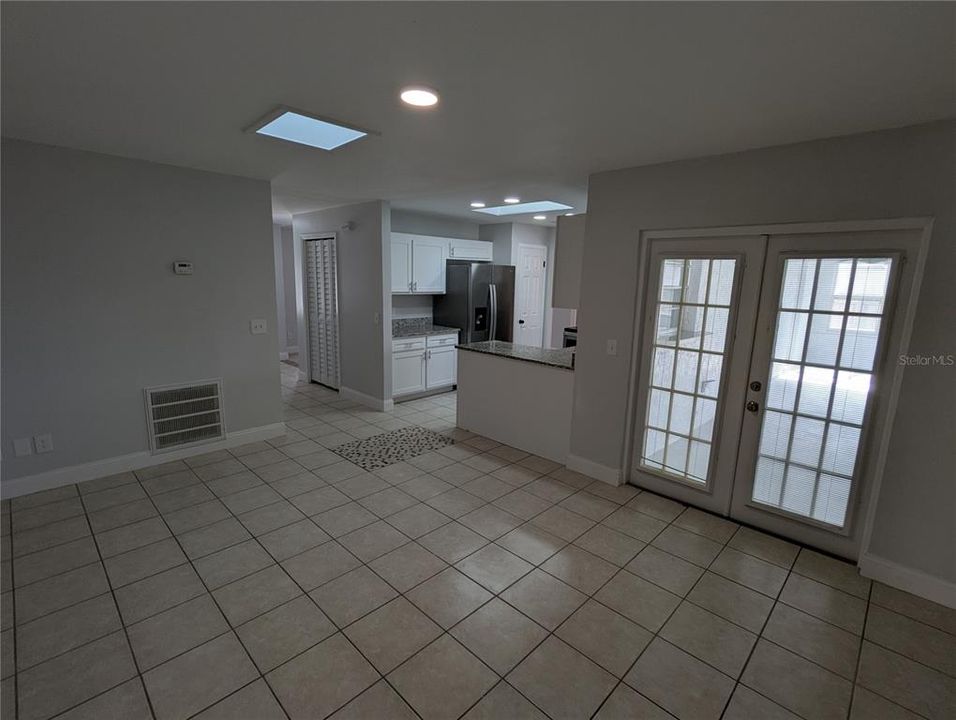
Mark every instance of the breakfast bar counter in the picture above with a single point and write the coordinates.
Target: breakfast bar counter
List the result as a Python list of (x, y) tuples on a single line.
[(518, 395)]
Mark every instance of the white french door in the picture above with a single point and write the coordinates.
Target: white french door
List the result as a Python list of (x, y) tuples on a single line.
[(700, 307), (762, 388)]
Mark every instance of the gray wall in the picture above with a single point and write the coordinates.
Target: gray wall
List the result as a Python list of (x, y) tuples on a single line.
[(408, 221), (499, 235), (568, 255), (365, 306), (92, 312), (896, 173), (291, 337)]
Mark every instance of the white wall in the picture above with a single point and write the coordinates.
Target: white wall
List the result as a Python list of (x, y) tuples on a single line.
[(365, 307), (412, 306), (92, 312), (896, 173), (418, 223)]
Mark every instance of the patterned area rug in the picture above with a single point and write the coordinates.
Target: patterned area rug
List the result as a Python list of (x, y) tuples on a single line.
[(391, 447)]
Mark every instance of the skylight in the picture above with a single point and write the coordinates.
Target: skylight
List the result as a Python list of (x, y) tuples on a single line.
[(523, 208), (298, 128)]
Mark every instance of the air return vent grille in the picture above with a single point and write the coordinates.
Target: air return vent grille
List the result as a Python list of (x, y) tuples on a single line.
[(184, 415)]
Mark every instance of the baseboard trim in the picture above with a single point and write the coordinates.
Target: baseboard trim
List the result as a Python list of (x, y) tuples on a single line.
[(363, 399), (610, 475), (911, 580), (133, 461)]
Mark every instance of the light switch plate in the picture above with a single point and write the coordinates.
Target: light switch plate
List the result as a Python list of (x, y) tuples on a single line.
[(612, 347), (43, 443), (22, 446), (257, 326)]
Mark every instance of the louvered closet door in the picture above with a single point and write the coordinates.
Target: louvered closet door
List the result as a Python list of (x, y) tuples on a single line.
[(321, 266)]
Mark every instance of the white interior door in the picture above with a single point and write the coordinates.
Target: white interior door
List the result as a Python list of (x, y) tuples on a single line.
[(323, 320), (766, 362), (830, 320), (529, 295), (700, 302)]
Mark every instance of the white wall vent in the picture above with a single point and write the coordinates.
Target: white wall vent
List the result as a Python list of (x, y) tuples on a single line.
[(183, 415)]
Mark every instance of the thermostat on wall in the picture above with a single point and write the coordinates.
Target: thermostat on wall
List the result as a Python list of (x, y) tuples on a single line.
[(183, 268)]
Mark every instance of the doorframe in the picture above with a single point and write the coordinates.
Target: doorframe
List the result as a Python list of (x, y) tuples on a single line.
[(922, 224), (544, 288), (305, 349)]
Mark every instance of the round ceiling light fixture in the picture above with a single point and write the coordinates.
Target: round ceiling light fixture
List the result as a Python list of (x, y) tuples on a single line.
[(419, 96), (540, 217), (477, 204), (512, 200)]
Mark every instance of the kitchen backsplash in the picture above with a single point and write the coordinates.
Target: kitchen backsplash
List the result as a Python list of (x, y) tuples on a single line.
[(410, 323)]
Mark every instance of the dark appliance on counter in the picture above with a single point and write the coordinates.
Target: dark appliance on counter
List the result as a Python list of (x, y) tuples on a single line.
[(478, 300), (570, 337)]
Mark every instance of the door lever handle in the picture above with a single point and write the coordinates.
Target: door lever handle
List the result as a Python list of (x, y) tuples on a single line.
[(753, 406)]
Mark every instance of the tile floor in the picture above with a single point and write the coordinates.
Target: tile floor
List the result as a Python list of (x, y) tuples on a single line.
[(278, 580)]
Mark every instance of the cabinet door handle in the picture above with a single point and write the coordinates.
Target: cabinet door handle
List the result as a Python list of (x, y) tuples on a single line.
[(415, 286), (409, 286)]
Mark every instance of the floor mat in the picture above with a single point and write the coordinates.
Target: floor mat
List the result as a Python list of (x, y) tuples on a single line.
[(391, 447)]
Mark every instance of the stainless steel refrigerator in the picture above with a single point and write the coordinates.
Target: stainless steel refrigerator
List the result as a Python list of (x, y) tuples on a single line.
[(479, 300)]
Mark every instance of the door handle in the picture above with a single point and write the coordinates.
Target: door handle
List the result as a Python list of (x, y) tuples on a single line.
[(753, 406)]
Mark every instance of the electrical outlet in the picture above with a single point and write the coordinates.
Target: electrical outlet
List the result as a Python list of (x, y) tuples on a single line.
[(43, 443), (257, 326), (612, 347), (22, 446)]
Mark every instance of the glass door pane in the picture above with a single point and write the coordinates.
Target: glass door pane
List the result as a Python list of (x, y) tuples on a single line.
[(828, 322), (691, 316)]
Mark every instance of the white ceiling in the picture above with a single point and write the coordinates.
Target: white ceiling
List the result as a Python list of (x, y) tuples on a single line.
[(535, 96)]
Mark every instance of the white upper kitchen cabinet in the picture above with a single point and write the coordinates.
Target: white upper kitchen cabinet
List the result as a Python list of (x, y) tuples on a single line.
[(470, 250), (428, 265), (401, 263), (418, 264)]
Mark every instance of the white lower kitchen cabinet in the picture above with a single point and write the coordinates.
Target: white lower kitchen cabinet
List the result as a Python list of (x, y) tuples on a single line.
[(420, 364), (408, 372), (440, 367)]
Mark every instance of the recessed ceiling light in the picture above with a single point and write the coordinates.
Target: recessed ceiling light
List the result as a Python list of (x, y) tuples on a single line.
[(477, 204), (540, 217), (297, 127), (419, 96), (541, 206), (512, 200)]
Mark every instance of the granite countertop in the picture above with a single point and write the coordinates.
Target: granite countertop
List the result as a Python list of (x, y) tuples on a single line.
[(417, 327), (554, 357)]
